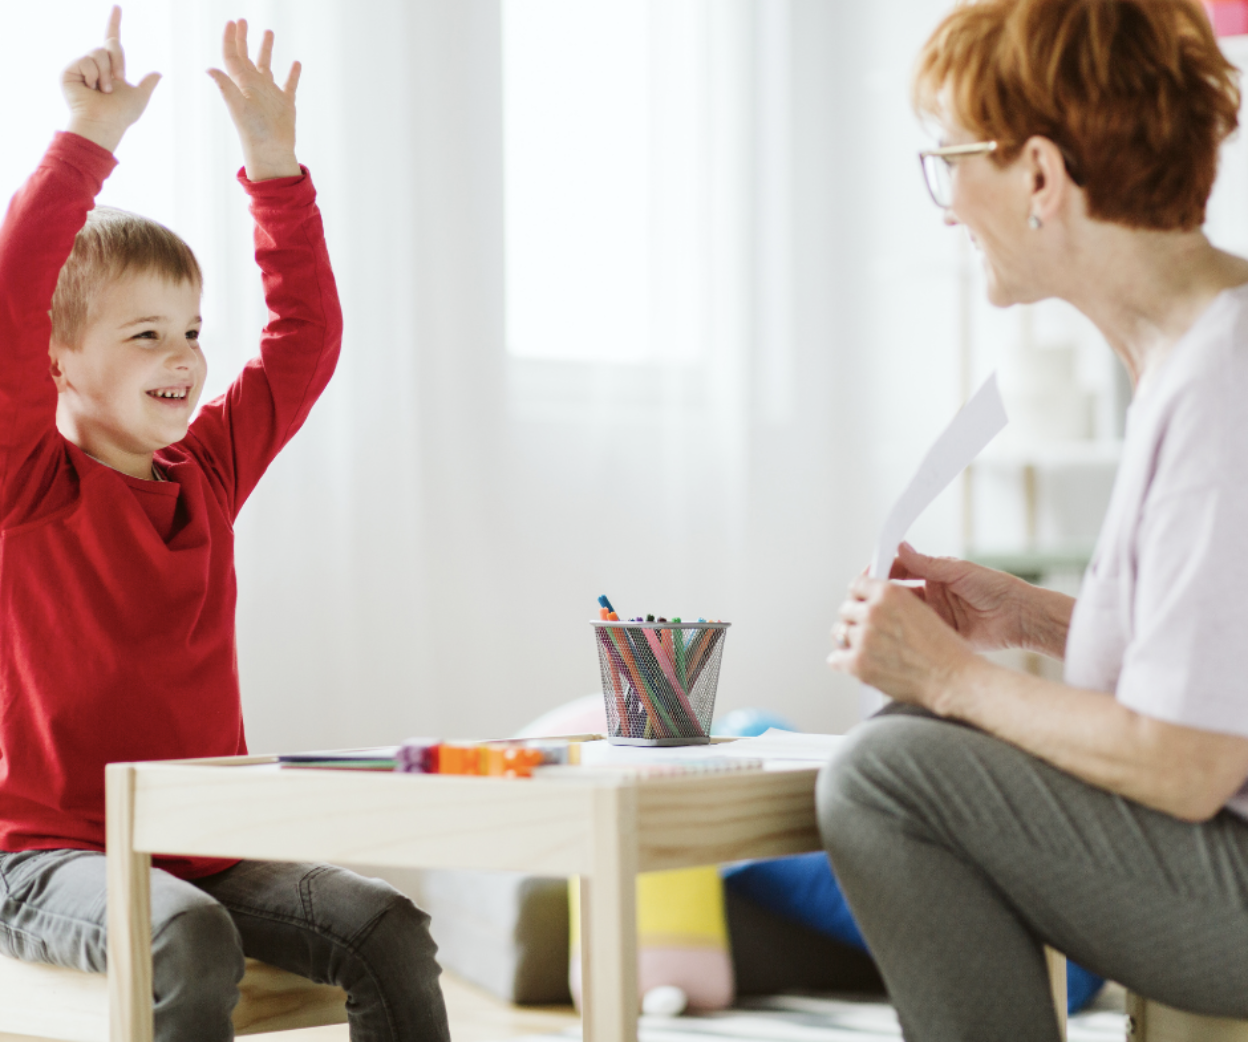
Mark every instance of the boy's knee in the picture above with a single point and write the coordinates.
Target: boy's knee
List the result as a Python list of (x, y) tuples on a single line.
[(197, 962), (367, 910)]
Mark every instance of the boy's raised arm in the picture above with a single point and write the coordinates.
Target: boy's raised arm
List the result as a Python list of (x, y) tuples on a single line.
[(38, 234), (102, 105), (238, 435), (263, 112)]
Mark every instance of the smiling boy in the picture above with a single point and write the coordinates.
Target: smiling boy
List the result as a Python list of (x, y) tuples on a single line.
[(125, 341), (117, 588)]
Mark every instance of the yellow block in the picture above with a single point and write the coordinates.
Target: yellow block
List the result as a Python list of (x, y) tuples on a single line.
[(681, 908)]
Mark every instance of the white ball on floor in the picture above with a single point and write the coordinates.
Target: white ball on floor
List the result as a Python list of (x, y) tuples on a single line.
[(667, 1000)]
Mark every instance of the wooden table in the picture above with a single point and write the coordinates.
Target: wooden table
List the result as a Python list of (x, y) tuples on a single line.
[(604, 827)]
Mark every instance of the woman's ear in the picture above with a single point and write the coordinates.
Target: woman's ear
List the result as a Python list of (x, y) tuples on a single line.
[(1047, 180)]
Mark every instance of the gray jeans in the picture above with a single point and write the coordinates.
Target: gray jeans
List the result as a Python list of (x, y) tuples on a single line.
[(320, 922), (961, 855)]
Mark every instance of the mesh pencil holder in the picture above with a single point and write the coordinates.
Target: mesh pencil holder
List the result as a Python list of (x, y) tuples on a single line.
[(659, 680)]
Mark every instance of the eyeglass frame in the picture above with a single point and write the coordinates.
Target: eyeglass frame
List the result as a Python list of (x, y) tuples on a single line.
[(947, 152)]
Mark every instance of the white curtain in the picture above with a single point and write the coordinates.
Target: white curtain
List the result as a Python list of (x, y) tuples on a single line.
[(425, 557)]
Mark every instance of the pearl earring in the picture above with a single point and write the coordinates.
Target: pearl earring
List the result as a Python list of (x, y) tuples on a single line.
[(1033, 222)]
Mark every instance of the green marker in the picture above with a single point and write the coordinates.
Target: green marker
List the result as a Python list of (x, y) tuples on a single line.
[(678, 642)]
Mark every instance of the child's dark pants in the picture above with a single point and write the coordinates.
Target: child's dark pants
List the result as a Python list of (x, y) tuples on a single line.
[(321, 922)]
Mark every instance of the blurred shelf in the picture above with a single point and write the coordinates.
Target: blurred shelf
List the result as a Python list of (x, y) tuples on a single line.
[(1034, 565)]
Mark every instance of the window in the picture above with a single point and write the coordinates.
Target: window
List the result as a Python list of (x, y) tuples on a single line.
[(607, 155)]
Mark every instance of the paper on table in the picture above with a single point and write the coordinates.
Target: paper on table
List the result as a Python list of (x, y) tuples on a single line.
[(976, 424), (774, 744), (772, 747)]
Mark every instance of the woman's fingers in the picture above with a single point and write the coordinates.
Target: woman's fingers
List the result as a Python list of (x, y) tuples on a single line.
[(854, 611), (864, 588)]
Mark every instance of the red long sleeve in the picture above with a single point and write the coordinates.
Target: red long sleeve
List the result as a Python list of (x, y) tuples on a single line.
[(117, 595), (35, 239)]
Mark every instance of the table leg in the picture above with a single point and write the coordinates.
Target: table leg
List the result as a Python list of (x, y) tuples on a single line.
[(129, 914), (609, 921), (1056, 963)]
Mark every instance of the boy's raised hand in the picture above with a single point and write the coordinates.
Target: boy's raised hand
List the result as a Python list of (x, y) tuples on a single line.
[(263, 112), (102, 105)]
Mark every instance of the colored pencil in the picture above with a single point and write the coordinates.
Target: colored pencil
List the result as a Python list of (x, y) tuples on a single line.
[(693, 728), (623, 643), (651, 678)]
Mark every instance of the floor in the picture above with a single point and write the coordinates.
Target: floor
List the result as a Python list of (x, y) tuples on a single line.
[(475, 1015)]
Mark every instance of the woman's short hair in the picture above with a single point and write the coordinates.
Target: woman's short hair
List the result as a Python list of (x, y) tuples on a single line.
[(1135, 93), (112, 244)]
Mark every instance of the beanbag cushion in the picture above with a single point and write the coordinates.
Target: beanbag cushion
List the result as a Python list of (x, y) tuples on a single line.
[(804, 889), (682, 937)]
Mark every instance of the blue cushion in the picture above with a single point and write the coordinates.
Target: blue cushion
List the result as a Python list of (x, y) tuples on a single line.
[(803, 888)]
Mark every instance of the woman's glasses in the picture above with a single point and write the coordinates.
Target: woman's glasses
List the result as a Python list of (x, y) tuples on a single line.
[(938, 168)]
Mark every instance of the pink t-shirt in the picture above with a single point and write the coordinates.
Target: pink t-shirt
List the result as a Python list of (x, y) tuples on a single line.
[(1162, 618)]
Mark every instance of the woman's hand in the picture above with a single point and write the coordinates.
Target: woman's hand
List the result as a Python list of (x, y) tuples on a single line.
[(889, 638), (102, 105), (263, 112), (983, 606), (987, 608)]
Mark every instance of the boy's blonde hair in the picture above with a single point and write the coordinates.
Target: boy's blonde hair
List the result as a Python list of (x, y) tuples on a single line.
[(114, 243)]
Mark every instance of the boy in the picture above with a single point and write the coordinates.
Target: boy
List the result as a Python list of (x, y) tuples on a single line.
[(116, 563)]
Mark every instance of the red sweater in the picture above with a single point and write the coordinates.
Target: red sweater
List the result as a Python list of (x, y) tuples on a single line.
[(117, 594)]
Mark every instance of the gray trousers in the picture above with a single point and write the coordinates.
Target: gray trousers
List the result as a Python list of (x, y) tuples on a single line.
[(961, 856), (318, 921)]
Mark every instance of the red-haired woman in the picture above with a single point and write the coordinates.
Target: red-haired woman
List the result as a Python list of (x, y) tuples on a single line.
[(1107, 815)]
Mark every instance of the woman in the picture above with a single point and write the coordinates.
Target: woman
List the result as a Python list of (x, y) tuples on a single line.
[(1106, 816)]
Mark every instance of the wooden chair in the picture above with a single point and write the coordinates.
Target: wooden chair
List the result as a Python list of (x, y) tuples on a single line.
[(49, 1002), (1149, 1021)]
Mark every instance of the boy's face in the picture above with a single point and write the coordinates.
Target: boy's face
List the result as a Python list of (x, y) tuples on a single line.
[(132, 385)]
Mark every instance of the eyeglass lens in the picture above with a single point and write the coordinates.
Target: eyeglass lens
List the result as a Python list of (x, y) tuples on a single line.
[(938, 173)]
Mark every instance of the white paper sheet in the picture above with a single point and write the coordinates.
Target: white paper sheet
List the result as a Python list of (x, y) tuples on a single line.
[(777, 749), (979, 421), (976, 424)]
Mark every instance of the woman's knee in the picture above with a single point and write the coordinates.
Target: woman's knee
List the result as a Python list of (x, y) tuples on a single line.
[(878, 769)]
